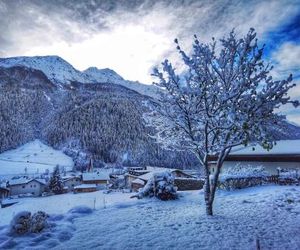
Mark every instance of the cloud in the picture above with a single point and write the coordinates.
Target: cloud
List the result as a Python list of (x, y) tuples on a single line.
[(137, 34)]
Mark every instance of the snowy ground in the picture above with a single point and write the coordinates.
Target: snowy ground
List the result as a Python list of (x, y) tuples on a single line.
[(269, 213), (35, 156)]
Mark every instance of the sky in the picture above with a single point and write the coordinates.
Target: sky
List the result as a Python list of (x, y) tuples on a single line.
[(133, 36)]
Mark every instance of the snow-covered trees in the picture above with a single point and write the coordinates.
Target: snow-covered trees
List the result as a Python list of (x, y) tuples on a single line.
[(160, 185), (224, 99), (55, 183)]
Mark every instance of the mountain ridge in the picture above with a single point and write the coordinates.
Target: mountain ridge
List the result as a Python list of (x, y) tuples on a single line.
[(63, 73)]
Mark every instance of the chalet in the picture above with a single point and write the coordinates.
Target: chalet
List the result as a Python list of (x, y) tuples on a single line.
[(71, 181), (85, 188), (100, 178), (24, 185), (182, 180), (285, 155)]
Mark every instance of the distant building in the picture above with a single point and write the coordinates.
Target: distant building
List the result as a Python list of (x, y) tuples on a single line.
[(71, 181), (182, 180), (99, 178), (25, 185), (85, 188), (284, 155)]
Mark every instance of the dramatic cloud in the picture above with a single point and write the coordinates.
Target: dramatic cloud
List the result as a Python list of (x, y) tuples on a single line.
[(133, 36)]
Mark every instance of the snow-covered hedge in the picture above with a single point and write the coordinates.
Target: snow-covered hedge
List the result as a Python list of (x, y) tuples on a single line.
[(23, 222), (161, 185), (240, 171)]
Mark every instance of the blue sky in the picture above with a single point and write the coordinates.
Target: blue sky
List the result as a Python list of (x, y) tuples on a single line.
[(133, 36)]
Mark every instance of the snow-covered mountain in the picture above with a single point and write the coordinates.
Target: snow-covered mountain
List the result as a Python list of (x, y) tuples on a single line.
[(63, 73)]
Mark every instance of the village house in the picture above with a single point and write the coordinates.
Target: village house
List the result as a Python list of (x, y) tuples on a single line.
[(71, 181), (99, 178), (182, 180), (285, 155), (24, 185)]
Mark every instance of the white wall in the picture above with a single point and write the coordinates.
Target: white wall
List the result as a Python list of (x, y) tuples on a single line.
[(34, 187)]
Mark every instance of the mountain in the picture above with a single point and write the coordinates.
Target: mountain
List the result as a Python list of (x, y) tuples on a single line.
[(63, 73), (99, 120), (94, 113)]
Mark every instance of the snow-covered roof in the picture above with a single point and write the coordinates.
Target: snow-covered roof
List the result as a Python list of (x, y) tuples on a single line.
[(85, 186), (99, 175), (282, 147), (25, 180)]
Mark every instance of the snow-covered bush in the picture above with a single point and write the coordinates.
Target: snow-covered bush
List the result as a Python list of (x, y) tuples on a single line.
[(240, 176), (288, 173), (23, 223), (161, 185), (242, 171), (38, 222)]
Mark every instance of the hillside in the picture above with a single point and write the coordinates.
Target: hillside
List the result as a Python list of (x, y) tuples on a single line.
[(35, 157), (99, 120)]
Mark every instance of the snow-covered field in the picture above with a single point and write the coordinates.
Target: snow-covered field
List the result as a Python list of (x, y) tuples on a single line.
[(269, 213), (35, 156)]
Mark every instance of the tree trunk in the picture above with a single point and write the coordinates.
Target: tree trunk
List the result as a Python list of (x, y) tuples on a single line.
[(209, 208), (207, 190)]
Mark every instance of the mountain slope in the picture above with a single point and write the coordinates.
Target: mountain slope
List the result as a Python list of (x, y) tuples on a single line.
[(91, 119), (103, 121)]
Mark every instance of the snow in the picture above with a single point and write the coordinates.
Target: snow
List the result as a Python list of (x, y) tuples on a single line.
[(61, 204), (281, 147), (35, 156), (61, 72), (138, 181), (268, 213)]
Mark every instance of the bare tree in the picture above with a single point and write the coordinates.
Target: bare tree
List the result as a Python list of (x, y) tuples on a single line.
[(225, 98)]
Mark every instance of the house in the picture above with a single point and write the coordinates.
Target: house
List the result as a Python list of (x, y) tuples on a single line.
[(285, 155), (71, 181), (85, 188), (100, 178), (4, 192), (25, 185), (182, 180)]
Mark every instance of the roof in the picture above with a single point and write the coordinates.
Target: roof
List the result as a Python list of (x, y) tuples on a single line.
[(283, 151), (283, 147), (4, 188), (95, 176), (25, 180), (66, 178), (83, 186)]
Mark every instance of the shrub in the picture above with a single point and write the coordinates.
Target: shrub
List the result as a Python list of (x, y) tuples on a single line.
[(23, 223), (161, 185)]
